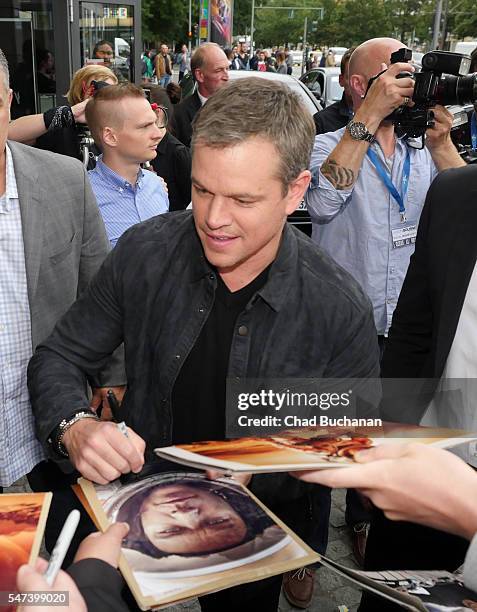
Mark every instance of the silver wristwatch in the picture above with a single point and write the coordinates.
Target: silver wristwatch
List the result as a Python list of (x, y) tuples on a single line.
[(358, 131), (57, 439)]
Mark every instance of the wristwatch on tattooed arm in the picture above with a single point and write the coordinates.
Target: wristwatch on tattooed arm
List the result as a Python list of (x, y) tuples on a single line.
[(343, 174), (358, 131)]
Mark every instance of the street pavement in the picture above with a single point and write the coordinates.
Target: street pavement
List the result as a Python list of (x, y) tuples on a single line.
[(331, 591)]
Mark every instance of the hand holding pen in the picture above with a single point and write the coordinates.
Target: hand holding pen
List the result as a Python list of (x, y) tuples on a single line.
[(104, 546), (115, 408), (101, 450)]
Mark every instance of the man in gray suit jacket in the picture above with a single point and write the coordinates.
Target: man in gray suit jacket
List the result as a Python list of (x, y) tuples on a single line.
[(52, 241)]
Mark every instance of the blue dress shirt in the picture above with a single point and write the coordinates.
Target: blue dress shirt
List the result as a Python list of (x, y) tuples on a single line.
[(355, 225), (122, 204)]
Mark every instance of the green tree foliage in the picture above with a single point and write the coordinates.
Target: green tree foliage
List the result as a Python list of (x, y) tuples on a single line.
[(462, 18), (359, 20), (344, 23), (411, 19), (165, 20), (242, 13)]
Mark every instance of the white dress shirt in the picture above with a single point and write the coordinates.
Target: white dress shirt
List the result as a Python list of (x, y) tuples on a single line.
[(454, 404)]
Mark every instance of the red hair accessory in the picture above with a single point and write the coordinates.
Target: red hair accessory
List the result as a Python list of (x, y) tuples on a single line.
[(154, 106), (88, 90)]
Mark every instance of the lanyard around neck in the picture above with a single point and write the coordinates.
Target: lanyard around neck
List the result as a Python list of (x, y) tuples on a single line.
[(385, 177)]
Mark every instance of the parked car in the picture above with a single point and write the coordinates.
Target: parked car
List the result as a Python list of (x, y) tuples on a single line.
[(300, 218), (310, 101), (323, 84)]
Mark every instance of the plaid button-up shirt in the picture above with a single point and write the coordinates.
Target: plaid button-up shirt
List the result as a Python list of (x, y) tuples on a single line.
[(20, 450)]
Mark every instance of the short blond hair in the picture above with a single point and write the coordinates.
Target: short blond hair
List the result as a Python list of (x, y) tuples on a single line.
[(98, 110), (84, 76)]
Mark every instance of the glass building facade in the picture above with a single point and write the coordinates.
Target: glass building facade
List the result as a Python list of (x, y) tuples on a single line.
[(46, 41)]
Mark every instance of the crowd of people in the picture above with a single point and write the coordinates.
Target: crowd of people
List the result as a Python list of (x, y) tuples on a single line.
[(157, 65), (107, 283), (278, 59)]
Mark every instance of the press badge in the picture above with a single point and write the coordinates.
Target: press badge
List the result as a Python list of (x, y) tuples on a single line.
[(404, 234)]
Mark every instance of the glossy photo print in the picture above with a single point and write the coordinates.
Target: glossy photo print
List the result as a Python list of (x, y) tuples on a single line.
[(309, 447), (189, 535), (22, 522)]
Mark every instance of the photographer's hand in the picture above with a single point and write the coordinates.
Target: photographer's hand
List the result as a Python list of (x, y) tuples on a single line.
[(342, 166), (385, 95), (439, 142)]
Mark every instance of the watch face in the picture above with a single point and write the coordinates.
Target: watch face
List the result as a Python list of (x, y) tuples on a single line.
[(358, 130)]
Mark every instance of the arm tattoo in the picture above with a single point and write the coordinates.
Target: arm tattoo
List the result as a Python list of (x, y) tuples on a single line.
[(339, 177)]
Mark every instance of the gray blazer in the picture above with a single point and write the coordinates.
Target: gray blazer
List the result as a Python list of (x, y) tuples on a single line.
[(64, 238)]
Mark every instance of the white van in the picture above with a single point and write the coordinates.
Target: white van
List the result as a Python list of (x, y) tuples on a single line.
[(121, 48), (465, 47)]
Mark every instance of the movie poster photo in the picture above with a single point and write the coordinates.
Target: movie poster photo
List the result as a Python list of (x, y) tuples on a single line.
[(221, 12), (22, 522), (190, 535), (306, 448)]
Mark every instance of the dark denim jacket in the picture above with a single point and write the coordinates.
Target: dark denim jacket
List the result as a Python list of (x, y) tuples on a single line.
[(155, 290)]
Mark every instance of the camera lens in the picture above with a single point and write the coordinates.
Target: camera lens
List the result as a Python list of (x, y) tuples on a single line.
[(467, 89), (456, 89)]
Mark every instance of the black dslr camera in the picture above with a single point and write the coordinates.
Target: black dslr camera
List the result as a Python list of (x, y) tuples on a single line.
[(444, 79)]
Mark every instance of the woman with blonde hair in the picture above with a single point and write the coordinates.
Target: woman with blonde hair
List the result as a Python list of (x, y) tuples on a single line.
[(56, 129), (82, 79)]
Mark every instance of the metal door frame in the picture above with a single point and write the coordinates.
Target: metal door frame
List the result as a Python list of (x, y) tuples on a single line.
[(73, 18), (63, 48), (30, 21)]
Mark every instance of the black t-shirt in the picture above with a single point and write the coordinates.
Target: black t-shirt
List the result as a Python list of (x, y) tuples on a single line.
[(198, 396)]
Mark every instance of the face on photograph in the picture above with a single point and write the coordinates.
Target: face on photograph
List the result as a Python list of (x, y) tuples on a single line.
[(182, 519)]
